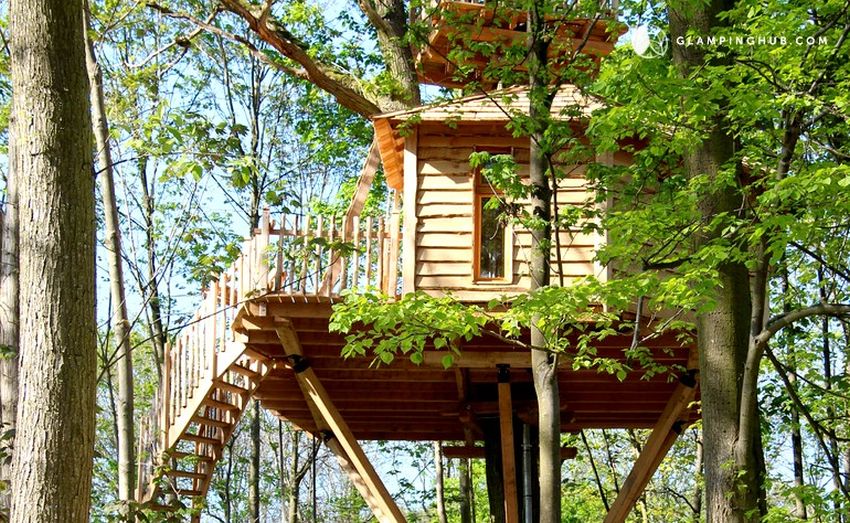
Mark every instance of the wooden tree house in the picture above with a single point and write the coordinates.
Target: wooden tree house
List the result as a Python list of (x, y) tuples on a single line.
[(262, 329)]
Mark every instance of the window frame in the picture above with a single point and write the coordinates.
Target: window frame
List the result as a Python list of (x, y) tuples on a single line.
[(482, 191)]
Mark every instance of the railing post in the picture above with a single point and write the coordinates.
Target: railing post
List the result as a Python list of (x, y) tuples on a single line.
[(380, 256), (332, 256), (306, 262), (263, 255), (355, 275), (395, 226), (278, 268), (319, 234), (369, 233), (165, 399)]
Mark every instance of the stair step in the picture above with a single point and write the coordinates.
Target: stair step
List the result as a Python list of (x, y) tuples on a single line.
[(189, 492), (186, 474), (229, 387), (203, 420), (245, 371), (201, 439), (176, 454), (251, 353), (209, 402)]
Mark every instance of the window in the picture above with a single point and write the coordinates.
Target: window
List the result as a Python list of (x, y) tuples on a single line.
[(492, 258)]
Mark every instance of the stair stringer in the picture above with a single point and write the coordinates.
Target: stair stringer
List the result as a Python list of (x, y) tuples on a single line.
[(193, 442)]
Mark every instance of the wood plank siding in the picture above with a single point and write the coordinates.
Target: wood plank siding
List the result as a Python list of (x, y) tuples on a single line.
[(445, 216)]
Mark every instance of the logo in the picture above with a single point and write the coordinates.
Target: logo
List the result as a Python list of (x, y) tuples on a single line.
[(649, 42)]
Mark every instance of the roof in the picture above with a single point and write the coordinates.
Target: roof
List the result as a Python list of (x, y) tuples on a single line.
[(496, 106)]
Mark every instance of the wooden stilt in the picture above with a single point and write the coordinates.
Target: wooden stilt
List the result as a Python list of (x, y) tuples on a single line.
[(506, 425), (663, 436), (346, 447)]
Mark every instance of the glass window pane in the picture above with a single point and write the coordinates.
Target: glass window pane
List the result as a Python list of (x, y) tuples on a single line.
[(491, 260)]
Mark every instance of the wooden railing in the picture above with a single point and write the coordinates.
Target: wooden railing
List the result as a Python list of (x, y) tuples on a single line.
[(301, 256)]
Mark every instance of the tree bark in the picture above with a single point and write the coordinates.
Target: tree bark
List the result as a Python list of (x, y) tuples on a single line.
[(389, 18), (796, 436), (724, 333), (254, 467), (493, 470), (155, 322), (294, 480), (112, 242), (696, 497), (465, 486), (438, 483), (52, 464), (8, 335), (544, 365)]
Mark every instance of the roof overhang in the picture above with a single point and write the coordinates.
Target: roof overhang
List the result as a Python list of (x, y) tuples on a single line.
[(493, 107)]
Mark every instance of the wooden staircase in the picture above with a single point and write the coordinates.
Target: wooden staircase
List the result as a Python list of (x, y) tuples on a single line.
[(210, 373)]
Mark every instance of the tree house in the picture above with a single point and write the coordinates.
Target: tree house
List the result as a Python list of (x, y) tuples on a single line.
[(262, 331)]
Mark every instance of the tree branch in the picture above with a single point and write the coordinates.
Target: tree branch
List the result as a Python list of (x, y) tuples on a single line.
[(208, 27), (341, 85), (780, 321)]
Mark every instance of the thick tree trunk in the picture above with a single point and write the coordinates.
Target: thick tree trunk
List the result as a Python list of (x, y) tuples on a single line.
[(731, 464), (389, 18), (544, 365), (8, 336), (52, 465), (112, 241), (438, 483)]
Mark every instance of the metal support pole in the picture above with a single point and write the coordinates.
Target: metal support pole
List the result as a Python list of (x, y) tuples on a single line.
[(527, 490)]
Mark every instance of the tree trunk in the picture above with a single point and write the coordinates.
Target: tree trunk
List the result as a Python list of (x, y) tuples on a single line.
[(493, 471), (797, 453), (8, 336), (731, 465), (544, 365), (254, 467), (52, 465), (465, 486), (154, 304), (696, 498), (112, 242), (438, 482), (294, 480)]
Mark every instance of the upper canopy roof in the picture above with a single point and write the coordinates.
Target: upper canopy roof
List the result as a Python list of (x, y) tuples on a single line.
[(493, 107), (473, 25)]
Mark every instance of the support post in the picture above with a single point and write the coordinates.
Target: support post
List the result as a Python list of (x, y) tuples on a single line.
[(346, 447), (663, 436), (506, 426)]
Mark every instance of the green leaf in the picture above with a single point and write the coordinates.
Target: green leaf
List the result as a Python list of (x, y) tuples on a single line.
[(447, 361)]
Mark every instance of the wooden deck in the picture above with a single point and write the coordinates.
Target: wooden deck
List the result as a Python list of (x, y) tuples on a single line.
[(262, 332)]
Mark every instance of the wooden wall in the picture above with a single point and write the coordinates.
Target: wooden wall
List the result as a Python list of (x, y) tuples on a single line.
[(444, 215)]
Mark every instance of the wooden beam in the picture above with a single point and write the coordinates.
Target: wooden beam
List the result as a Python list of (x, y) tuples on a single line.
[(506, 427), (481, 360), (371, 486), (663, 436), (472, 452)]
